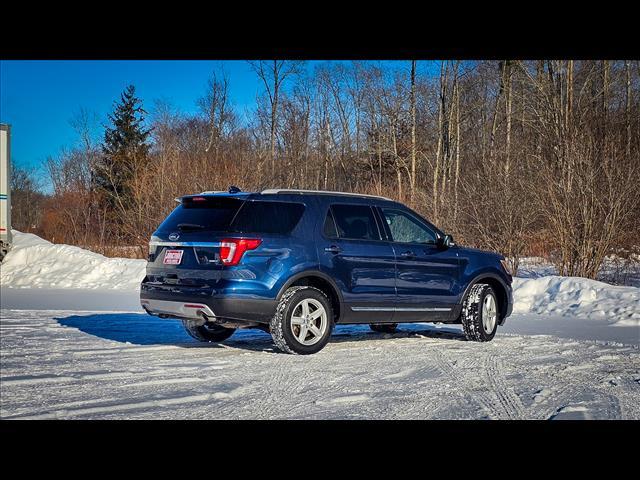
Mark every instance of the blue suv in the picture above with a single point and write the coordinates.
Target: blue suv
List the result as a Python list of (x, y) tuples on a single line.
[(296, 262)]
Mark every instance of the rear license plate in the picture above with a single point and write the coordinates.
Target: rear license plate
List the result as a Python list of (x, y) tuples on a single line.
[(172, 257)]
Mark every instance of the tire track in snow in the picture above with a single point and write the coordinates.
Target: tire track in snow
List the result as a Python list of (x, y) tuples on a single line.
[(75, 377), (550, 403), (286, 382), (507, 399), (479, 398), (54, 412)]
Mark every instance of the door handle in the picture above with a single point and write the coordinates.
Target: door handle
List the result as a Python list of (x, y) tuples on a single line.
[(332, 249), (408, 254)]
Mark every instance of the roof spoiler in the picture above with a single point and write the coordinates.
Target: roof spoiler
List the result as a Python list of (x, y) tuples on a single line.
[(232, 189)]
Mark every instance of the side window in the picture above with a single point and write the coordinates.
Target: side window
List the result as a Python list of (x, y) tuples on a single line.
[(355, 222), (406, 229), (329, 228)]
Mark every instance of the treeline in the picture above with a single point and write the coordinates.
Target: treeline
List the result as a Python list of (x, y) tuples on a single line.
[(522, 157)]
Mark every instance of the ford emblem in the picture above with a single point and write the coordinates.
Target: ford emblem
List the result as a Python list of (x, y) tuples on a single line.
[(174, 236)]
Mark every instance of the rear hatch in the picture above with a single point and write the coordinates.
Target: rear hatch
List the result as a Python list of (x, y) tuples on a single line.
[(206, 238)]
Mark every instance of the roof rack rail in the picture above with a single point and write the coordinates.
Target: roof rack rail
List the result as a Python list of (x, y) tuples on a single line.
[(320, 192)]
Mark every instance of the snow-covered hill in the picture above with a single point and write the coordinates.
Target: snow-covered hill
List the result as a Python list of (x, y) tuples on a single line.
[(577, 297), (37, 263)]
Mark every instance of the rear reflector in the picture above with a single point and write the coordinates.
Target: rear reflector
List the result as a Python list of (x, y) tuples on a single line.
[(189, 305), (232, 249)]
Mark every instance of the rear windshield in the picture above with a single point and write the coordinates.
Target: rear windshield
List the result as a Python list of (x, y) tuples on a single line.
[(210, 214), (233, 215)]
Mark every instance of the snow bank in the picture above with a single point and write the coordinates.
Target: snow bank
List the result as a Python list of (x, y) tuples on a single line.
[(577, 297), (36, 263)]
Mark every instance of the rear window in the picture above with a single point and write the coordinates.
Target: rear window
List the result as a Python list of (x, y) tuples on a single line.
[(267, 217), (207, 213), (233, 215)]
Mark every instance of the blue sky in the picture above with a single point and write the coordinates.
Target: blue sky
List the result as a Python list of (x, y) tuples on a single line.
[(39, 98)]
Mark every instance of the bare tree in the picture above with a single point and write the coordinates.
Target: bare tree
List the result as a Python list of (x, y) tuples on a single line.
[(273, 74)]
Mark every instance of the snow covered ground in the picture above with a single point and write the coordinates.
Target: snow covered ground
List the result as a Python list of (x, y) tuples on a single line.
[(74, 344)]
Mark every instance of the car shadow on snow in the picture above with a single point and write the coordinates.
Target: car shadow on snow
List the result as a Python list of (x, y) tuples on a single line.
[(143, 329)]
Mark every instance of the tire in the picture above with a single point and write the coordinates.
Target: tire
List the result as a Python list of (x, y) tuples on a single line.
[(287, 328), (384, 327), (208, 332), (479, 323)]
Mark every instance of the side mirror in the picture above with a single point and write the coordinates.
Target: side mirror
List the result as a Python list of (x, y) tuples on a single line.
[(446, 242)]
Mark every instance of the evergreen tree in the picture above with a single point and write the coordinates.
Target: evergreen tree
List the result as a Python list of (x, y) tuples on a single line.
[(124, 151)]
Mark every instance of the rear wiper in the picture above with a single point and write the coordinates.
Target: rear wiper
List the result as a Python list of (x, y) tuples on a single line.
[(190, 226)]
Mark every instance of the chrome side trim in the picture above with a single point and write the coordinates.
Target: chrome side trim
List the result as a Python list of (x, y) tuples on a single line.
[(372, 309), (435, 309), (184, 244), (400, 309)]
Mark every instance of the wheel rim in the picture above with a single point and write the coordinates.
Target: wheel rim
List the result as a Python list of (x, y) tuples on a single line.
[(489, 313), (308, 321)]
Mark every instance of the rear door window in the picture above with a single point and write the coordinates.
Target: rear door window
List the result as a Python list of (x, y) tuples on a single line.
[(355, 222), (329, 227), (267, 217)]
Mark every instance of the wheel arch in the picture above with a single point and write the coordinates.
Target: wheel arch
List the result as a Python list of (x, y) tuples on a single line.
[(321, 281), (499, 287)]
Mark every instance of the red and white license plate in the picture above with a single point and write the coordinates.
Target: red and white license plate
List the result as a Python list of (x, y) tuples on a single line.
[(172, 257)]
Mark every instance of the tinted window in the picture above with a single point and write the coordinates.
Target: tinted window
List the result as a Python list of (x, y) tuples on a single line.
[(329, 227), (209, 213), (267, 217), (406, 229), (356, 222)]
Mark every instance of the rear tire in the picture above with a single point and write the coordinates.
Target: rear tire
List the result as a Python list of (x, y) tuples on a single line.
[(480, 313), (303, 321), (384, 327), (208, 332)]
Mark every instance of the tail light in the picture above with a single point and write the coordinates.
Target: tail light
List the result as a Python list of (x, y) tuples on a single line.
[(232, 249)]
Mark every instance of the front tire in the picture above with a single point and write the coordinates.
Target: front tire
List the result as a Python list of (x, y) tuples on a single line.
[(384, 327), (303, 321), (208, 332), (480, 313)]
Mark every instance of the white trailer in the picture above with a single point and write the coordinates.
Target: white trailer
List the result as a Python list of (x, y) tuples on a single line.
[(5, 189)]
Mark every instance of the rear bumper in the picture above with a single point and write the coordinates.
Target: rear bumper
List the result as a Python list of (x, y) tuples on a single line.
[(169, 308), (179, 305)]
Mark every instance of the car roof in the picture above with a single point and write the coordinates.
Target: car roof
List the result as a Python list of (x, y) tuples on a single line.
[(273, 192)]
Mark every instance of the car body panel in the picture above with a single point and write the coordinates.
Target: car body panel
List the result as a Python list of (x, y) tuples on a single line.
[(372, 281)]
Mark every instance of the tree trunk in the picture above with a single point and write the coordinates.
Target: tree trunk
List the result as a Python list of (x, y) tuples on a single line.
[(413, 130), (509, 84), (441, 113), (457, 170), (274, 115), (569, 106), (627, 108)]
